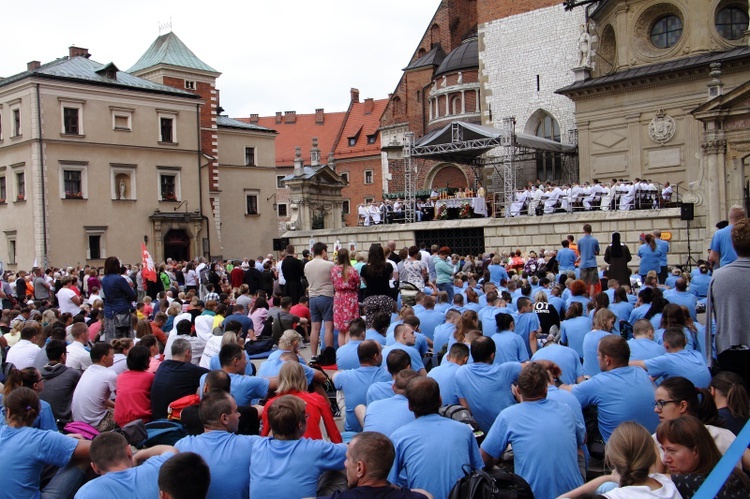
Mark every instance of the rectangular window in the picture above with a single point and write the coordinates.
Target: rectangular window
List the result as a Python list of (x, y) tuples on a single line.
[(368, 177), (70, 120), (12, 251), (371, 139), (73, 184), (122, 118), (167, 129), (249, 156), (369, 200), (352, 141), (345, 176), (20, 186), (345, 207), (281, 208), (95, 248), (190, 84), (3, 190), (251, 204), (16, 122), (122, 122), (280, 181), (168, 192)]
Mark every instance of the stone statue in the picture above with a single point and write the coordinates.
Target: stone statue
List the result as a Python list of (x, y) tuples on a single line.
[(584, 47), (122, 189)]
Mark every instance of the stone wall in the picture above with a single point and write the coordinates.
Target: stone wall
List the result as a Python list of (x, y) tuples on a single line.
[(529, 233)]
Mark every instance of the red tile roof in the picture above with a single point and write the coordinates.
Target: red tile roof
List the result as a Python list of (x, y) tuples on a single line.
[(300, 133), (359, 126)]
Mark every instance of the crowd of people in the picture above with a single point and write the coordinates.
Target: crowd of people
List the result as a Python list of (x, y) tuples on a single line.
[(543, 351)]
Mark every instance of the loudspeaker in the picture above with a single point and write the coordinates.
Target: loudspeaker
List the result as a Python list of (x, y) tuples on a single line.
[(687, 211), (280, 244)]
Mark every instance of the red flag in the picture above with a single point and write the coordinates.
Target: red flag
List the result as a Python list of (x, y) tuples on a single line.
[(148, 271)]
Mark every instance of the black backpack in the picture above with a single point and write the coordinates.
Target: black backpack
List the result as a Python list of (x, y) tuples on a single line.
[(490, 484)]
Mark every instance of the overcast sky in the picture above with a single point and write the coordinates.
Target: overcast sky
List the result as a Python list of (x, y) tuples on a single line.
[(282, 55)]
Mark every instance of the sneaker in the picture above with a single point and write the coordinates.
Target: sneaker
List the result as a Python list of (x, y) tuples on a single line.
[(313, 359)]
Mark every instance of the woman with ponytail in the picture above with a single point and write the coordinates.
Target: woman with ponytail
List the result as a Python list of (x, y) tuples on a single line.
[(650, 255), (25, 451), (731, 399), (29, 377), (630, 452)]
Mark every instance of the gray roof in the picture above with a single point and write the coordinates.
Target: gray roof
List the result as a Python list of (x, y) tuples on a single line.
[(169, 49), (312, 171), (685, 64), (227, 122), (464, 56), (84, 69), (432, 58)]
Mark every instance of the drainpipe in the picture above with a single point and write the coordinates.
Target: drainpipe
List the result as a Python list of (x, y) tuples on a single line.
[(41, 165), (200, 179)]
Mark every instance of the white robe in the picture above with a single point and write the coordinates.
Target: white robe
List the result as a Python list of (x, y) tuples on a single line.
[(551, 202), (536, 198), (375, 214), (606, 198), (627, 199), (517, 205)]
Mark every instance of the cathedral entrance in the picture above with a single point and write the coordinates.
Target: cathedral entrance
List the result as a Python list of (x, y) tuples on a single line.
[(177, 245)]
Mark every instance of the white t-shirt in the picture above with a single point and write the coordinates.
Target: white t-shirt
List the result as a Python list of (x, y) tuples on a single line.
[(23, 354), (78, 357), (668, 490), (94, 388), (65, 301)]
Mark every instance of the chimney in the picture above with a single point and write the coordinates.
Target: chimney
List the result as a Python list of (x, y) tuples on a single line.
[(314, 153), (320, 116), (254, 118), (31, 66), (290, 116), (369, 105), (78, 52), (299, 169), (355, 94), (278, 117)]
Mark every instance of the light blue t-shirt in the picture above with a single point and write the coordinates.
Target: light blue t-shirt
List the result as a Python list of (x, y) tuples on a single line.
[(565, 357), (445, 375), (442, 334), (567, 398), (271, 368), (228, 457), (566, 259), (488, 319), (509, 347), (650, 259), (722, 244), (371, 334), (243, 388), (429, 320), (24, 452), (214, 364), (487, 389), (525, 323), (289, 469), (388, 415), (590, 347), (622, 394), (639, 312), (572, 332), (519, 426), (354, 384), (139, 482), (683, 298), (379, 390), (44, 421), (588, 247), (497, 273), (664, 248), (346, 356), (621, 310), (643, 348), (416, 358), (433, 464), (686, 363)]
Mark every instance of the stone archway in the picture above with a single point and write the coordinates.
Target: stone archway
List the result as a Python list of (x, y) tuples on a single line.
[(177, 245), (447, 175)]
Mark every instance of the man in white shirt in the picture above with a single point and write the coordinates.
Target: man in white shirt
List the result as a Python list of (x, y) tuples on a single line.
[(92, 402), (78, 357), (24, 352)]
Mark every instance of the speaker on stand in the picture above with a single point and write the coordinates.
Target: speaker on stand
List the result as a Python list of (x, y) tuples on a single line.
[(687, 213)]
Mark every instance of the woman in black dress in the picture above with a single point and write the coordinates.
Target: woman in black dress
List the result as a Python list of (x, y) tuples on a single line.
[(376, 274), (617, 255)]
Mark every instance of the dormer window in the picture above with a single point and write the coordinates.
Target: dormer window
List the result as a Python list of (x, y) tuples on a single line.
[(109, 71), (352, 141), (189, 84)]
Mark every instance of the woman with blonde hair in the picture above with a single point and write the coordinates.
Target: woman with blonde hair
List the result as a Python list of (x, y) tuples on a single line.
[(468, 322), (292, 381), (346, 283), (604, 321), (630, 452)]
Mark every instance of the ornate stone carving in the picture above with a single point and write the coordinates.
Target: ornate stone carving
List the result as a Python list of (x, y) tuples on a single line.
[(714, 146), (662, 128)]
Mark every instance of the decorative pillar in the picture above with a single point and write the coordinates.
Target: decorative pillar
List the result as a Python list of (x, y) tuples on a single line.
[(713, 153), (463, 101), (635, 166)]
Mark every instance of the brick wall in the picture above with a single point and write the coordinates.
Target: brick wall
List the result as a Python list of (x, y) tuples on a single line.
[(489, 10), (357, 190)]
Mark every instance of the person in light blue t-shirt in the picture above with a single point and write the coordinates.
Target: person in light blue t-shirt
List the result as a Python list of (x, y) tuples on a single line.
[(620, 392), (509, 346), (112, 458), (566, 257), (484, 387), (346, 355), (406, 340), (243, 388), (444, 332), (355, 382), (527, 324), (677, 361), (445, 373), (287, 466), (722, 250), (604, 321), (518, 425), (379, 326), (566, 359), (430, 318), (575, 327), (432, 451), (388, 415), (642, 344), (397, 361), (228, 455)]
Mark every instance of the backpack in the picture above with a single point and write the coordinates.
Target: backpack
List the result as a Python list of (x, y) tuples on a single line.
[(327, 357), (84, 429), (162, 432), (490, 484), (174, 410), (268, 327), (459, 413), (204, 275), (261, 345)]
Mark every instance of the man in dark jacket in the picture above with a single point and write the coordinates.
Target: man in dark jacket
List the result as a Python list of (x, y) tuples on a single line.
[(59, 381), (253, 277), (293, 271)]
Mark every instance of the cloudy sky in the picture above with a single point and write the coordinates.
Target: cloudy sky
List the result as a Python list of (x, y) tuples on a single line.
[(282, 55)]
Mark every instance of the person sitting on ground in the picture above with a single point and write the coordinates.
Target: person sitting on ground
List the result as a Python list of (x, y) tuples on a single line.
[(677, 361), (29, 377), (369, 459), (121, 472), (387, 415), (184, 476), (134, 388), (445, 373), (510, 347), (642, 344), (175, 378), (406, 340), (288, 464), (24, 352), (346, 355), (731, 400), (244, 388), (92, 399), (575, 327), (59, 381)]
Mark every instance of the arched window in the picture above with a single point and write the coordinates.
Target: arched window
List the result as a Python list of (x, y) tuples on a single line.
[(548, 163), (666, 31), (456, 105), (731, 22)]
